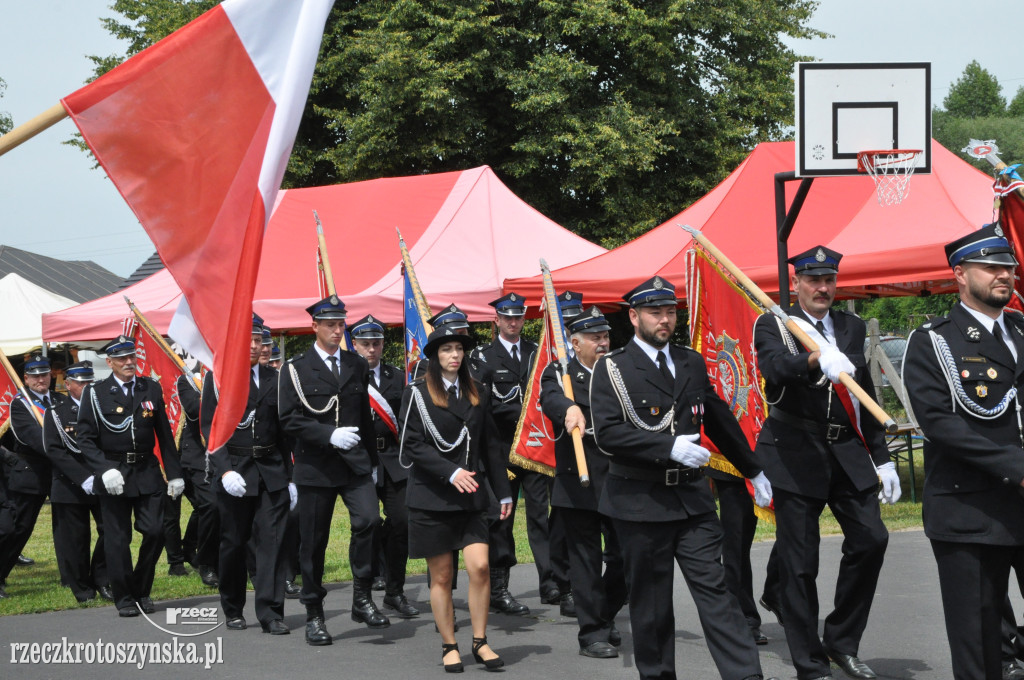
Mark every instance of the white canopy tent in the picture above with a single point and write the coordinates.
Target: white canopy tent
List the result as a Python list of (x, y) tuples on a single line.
[(23, 304)]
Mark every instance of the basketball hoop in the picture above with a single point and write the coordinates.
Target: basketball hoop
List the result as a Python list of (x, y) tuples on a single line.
[(891, 170)]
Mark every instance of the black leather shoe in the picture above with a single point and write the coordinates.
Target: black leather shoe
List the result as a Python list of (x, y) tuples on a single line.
[(316, 632), (400, 604), (773, 607), (106, 592), (274, 627), (567, 606), (379, 583), (599, 650), (146, 605), (551, 596), (614, 636), (209, 576), (851, 665), (759, 637), (237, 623), (128, 612), (363, 608), (25, 561), (85, 597), (503, 603), (177, 570), (291, 590)]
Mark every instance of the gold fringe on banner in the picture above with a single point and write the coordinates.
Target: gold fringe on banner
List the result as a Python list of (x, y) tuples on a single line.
[(527, 464)]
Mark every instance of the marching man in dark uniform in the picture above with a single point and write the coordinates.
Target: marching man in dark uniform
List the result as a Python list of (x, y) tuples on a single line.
[(509, 357), (251, 476), (386, 385), (648, 401), (71, 496), (814, 456), (597, 598), (325, 407), (121, 419), (28, 482), (963, 373)]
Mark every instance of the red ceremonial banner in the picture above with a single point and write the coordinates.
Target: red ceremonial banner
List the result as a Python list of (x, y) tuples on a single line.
[(151, 362), (8, 392), (1011, 216), (533, 447), (722, 330)]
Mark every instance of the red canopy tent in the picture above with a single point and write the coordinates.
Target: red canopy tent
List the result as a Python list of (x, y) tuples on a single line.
[(887, 251), (466, 233)]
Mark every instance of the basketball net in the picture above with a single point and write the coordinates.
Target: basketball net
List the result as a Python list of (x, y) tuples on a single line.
[(891, 170)]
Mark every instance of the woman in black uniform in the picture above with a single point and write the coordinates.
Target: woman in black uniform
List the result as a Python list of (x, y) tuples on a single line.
[(448, 437)]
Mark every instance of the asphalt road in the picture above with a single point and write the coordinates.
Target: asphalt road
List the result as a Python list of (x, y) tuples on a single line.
[(905, 636)]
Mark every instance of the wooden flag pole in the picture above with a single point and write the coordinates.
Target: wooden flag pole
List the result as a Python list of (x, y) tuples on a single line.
[(30, 129), (325, 264), (21, 387), (551, 313), (161, 343), (769, 305), (421, 300)]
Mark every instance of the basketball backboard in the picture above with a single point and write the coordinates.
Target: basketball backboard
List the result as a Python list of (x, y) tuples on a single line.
[(842, 109)]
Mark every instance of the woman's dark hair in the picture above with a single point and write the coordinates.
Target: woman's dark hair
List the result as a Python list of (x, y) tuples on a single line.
[(435, 386)]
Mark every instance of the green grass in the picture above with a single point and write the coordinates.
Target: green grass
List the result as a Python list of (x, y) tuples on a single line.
[(37, 588)]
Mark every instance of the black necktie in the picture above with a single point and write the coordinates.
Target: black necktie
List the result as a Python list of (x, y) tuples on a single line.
[(373, 380), (663, 367), (334, 368), (46, 400), (453, 393), (515, 356), (820, 326), (128, 389), (997, 331)]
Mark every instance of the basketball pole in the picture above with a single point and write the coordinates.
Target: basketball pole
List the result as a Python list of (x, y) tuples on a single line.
[(31, 128)]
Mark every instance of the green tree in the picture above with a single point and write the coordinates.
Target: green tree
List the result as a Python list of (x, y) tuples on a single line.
[(1016, 107), (975, 95), (954, 133), (607, 115), (6, 122)]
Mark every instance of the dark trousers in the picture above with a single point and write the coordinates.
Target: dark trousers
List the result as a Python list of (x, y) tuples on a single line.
[(864, 542), (739, 522), (26, 512), (598, 597), (200, 542), (650, 551), (128, 583), (316, 508), (291, 545), (973, 579), (267, 514), (393, 538), (1013, 636), (536, 491), (72, 540)]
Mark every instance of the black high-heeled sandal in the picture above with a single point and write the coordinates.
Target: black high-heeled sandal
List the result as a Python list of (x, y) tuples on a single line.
[(450, 667), (490, 664)]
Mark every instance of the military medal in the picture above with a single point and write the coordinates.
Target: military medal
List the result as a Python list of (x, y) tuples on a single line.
[(119, 410), (982, 390), (991, 373), (655, 410), (965, 373)]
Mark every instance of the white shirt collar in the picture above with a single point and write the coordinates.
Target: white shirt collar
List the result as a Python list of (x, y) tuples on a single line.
[(987, 321), (653, 352), (830, 327), (447, 384), (39, 396), (324, 355), (121, 383), (509, 345)]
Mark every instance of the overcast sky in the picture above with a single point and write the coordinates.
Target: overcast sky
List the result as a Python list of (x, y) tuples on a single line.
[(55, 204)]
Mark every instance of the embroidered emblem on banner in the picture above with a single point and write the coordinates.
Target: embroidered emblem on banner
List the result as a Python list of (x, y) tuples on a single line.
[(733, 376)]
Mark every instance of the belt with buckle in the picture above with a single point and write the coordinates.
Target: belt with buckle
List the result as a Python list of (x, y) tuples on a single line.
[(382, 443), (130, 457), (832, 432), (255, 452), (669, 477)]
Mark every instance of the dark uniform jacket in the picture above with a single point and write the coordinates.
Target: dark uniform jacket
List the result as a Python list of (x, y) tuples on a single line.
[(317, 462), (31, 475), (191, 448), (429, 488), (507, 382), (792, 446), (385, 443), (626, 495), (69, 466), (104, 448), (567, 491), (973, 466), (257, 451)]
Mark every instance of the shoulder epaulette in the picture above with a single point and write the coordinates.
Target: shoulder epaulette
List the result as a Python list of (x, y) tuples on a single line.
[(934, 323), (613, 352)]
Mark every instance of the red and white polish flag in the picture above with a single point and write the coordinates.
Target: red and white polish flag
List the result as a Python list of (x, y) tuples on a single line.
[(195, 132)]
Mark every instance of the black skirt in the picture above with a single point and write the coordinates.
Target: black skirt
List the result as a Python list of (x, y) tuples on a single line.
[(436, 532)]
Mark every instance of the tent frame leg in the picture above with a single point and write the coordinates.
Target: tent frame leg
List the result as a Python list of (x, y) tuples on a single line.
[(784, 220)]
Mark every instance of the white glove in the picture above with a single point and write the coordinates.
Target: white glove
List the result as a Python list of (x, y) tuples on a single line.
[(114, 482), (175, 487), (762, 490), (833, 362), (891, 491), (293, 496), (87, 484), (345, 438), (687, 451), (233, 483)]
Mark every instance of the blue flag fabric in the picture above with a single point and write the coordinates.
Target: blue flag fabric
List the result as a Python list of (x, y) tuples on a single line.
[(415, 332)]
